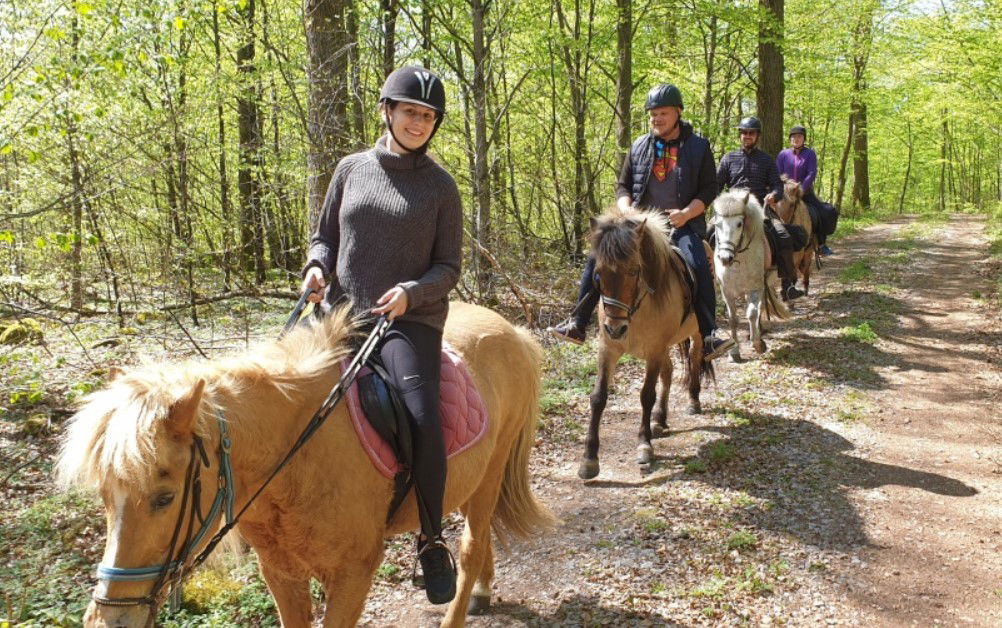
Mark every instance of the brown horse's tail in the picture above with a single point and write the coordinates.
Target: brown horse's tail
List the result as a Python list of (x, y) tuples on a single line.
[(518, 512), (705, 371), (774, 308)]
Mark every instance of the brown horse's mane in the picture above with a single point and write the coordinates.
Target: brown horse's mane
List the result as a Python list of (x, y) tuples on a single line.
[(614, 241), (114, 432)]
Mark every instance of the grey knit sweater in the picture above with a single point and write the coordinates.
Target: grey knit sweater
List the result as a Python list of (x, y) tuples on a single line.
[(390, 220)]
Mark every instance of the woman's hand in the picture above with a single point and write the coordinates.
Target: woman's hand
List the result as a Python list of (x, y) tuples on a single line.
[(393, 303), (314, 282)]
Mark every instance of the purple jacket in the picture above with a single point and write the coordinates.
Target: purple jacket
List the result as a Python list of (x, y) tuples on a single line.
[(802, 167)]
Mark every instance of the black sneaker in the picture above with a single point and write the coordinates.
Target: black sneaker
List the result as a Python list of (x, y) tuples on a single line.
[(568, 331), (824, 250), (714, 347), (438, 571), (792, 292)]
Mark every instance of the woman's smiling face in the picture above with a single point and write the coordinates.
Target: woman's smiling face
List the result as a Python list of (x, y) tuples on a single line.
[(412, 124)]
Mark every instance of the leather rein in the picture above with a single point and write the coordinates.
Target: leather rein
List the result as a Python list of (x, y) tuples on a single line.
[(172, 571)]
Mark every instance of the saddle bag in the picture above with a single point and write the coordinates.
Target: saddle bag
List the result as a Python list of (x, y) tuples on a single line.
[(829, 218)]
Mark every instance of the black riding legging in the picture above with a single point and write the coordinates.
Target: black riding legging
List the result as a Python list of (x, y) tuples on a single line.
[(411, 353)]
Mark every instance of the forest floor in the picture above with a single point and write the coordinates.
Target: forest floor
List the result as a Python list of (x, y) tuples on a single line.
[(852, 474)]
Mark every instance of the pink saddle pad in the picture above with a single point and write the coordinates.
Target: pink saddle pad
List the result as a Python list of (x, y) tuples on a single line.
[(464, 417)]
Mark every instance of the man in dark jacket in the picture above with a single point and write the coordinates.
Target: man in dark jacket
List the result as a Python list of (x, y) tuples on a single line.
[(752, 168), (671, 169)]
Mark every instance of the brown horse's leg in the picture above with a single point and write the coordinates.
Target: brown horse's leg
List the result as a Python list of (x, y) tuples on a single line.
[(291, 593), (694, 371), (660, 427), (475, 547), (348, 585), (599, 395), (645, 453), (480, 599), (805, 268)]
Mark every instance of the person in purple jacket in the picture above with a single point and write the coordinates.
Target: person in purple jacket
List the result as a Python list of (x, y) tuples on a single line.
[(801, 164)]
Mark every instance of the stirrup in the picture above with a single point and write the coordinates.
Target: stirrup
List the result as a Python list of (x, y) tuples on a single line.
[(417, 581)]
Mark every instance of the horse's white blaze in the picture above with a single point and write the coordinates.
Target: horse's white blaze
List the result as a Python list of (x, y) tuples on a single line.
[(113, 545)]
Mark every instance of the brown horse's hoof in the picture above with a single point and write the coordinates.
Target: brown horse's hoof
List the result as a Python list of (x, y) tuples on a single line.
[(479, 604), (588, 469), (645, 454), (659, 430), (694, 408)]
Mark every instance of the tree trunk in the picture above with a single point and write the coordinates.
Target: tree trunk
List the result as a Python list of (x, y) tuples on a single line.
[(76, 204), (769, 93), (224, 192), (624, 78), (860, 161), (249, 126), (840, 187), (327, 43), (908, 171), (388, 16), (481, 182)]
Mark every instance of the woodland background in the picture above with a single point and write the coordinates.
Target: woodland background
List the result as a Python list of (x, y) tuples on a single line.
[(163, 155)]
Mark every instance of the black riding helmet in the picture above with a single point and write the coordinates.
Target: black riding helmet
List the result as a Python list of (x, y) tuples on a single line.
[(416, 85), (795, 129), (751, 123), (664, 95)]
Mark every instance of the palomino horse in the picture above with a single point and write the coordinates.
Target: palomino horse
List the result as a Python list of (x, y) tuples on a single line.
[(741, 264), (792, 209), (324, 515), (643, 313)]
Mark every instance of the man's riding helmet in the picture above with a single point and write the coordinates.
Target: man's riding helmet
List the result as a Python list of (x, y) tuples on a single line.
[(416, 85), (794, 130), (750, 123), (664, 95)]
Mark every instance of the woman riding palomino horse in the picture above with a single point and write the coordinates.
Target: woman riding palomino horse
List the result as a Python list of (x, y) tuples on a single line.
[(792, 210), (740, 264), (644, 312), (390, 240), (146, 439)]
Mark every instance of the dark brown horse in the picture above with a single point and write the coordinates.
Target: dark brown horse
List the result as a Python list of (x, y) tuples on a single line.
[(643, 313)]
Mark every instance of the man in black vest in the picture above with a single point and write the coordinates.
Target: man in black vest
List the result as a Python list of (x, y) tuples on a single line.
[(671, 169), (752, 168)]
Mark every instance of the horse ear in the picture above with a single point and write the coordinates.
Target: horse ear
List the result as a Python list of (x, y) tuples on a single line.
[(638, 228), (592, 223), (114, 373), (744, 201), (184, 411)]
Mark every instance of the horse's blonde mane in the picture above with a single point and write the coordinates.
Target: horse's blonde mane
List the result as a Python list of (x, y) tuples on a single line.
[(114, 432), (613, 241), (739, 201)]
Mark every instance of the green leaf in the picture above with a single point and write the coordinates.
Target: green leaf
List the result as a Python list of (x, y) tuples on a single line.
[(6, 149), (40, 242), (179, 23), (84, 8), (7, 236), (8, 92)]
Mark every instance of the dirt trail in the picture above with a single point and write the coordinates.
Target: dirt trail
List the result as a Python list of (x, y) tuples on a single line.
[(831, 481)]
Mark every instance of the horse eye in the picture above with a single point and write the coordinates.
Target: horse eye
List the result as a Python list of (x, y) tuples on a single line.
[(740, 223), (635, 272), (162, 500)]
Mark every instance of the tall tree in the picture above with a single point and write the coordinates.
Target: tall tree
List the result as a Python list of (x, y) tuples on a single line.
[(770, 91), (327, 44)]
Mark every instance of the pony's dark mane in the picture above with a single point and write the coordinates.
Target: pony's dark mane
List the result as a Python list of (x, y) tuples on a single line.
[(614, 240)]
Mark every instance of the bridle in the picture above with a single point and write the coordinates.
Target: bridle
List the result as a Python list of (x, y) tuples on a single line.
[(630, 310), (736, 249), (172, 571)]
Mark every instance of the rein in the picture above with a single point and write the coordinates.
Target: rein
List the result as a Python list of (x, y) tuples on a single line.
[(172, 572)]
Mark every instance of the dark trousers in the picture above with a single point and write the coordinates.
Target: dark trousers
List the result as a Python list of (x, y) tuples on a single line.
[(411, 353), (782, 246), (705, 301)]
